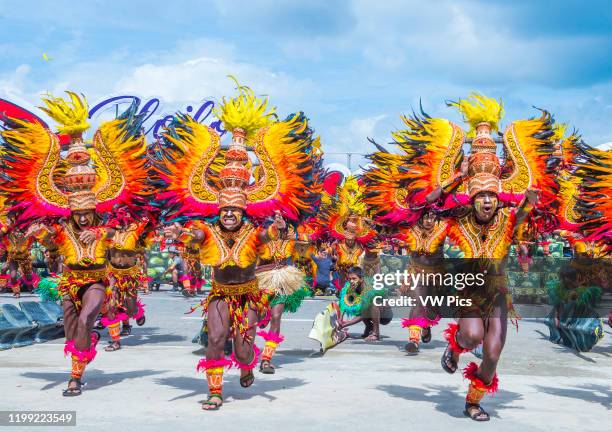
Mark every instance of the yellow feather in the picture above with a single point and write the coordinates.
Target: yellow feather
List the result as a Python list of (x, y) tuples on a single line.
[(71, 115), (478, 109), (245, 111), (559, 131)]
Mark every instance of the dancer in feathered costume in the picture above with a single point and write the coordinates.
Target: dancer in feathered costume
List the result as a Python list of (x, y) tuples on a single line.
[(70, 196), (17, 246), (344, 218), (230, 242), (130, 222), (126, 271), (485, 230), (278, 271), (582, 221), (401, 194)]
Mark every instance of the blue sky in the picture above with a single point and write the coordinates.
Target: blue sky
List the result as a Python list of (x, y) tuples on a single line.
[(353, 66)]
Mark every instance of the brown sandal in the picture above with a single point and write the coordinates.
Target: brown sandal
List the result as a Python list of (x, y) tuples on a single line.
[(247, 380)]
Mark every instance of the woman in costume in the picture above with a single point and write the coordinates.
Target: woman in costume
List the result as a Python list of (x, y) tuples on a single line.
[(200, 185), (485, 229), (344, 218), (72, 196)]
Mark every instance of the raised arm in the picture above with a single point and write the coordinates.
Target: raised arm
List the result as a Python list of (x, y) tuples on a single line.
[(530, 201), (272, 233), (450, 185)]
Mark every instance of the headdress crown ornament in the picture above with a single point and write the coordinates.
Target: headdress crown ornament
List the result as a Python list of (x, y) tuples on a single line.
[(80, 177), (483, 115), (234, 176), (203, 177), (43, 183), (242, 115)]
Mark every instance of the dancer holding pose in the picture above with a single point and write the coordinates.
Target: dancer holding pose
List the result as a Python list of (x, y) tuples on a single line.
[(231, 243), (73, 207), (486, 228)]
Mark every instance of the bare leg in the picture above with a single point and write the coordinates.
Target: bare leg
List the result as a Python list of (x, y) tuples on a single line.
[(243, 348), (71, 319), (275, 319), (494, 341), (175, 281), (14, 280), (374, 312), (92, 302)]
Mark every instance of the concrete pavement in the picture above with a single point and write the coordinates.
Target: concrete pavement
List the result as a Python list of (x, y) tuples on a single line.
[(152, 384)]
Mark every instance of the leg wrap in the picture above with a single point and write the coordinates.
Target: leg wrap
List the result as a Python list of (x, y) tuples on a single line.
[(252, 364), (214, 374), (107, 322), (414, 334), (78, 367), (80, 359), (477, 388), (420, 321), (114, 331), (273, 340), (450, 334)]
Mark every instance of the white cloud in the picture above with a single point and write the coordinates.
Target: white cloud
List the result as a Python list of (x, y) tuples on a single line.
[(12, 84), (194, 71)]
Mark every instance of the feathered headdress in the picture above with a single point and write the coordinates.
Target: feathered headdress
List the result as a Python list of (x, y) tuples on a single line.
[(39, 182), (199, 182), (397, 184), (594, 167), (483, 114), (346, 216)]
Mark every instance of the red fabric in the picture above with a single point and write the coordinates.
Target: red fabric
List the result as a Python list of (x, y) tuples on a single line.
[(450, 334), (470, 373)]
